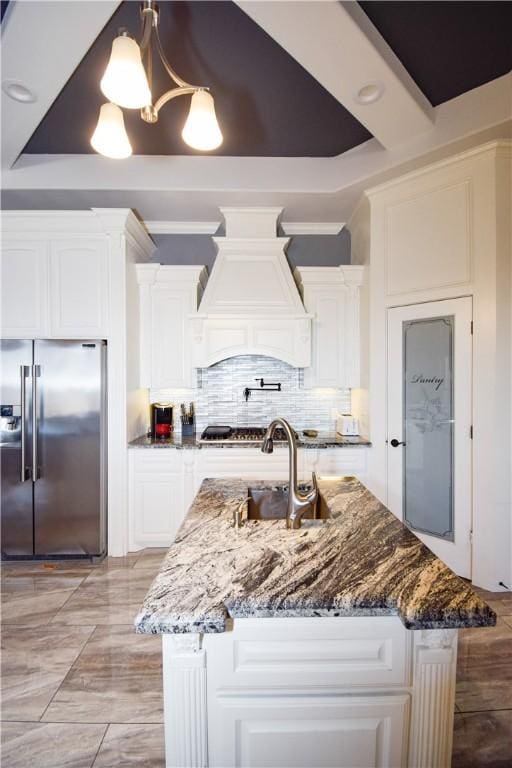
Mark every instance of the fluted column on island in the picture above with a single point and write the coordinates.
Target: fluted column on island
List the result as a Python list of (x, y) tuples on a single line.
[(184, 668), (433, 699)]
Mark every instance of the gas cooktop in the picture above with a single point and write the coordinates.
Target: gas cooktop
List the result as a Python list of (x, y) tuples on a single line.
[(221, 434)]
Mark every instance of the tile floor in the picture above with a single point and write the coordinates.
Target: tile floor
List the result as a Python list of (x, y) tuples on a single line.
[(80, 689)]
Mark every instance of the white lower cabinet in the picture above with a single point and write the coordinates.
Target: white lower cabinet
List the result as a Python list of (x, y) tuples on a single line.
[(306, 731), (161, 490), (163, 482), (305, 692), (336, 461)]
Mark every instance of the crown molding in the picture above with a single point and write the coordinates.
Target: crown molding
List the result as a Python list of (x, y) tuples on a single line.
[(210, 227), (498, 147), (312, 227), (182, 227)]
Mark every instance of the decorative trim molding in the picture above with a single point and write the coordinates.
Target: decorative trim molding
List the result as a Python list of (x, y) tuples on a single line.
[(500, 147), (433, 698), (312, 227), (211, 227), (182, 227), (184, 671)]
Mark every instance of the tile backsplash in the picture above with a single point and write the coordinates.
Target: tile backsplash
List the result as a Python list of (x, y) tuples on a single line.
[(219, 397)]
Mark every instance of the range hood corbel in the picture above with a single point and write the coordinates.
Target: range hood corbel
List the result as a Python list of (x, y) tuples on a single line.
[(251, 304)]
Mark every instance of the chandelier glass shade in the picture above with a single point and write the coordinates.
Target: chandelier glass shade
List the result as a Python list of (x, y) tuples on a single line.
[(201, 129), (110, 137), (124, 82), (127, 83)]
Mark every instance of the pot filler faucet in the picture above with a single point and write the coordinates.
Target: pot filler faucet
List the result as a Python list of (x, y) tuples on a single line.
[(298, 502)]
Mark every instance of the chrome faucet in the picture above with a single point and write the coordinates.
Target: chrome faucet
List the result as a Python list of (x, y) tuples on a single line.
[(298, 502)]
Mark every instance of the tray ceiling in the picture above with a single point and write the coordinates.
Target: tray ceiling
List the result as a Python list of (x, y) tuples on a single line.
[(448, 48), (266, 103), (284, 76)]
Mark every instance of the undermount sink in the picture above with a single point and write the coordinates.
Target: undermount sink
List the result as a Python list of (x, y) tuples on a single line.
[(271, 504)]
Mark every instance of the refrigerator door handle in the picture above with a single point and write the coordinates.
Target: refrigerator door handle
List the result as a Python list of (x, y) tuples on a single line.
[(36, 371), (24, 370)]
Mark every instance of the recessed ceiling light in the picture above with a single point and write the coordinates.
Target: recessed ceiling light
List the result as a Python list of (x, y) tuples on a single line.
[(369, 93), (19, 92)]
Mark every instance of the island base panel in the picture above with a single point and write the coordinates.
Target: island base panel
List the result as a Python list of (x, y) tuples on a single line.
[(354, 692)]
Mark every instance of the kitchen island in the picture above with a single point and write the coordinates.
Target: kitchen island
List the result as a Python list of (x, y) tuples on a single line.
[(331, 645)]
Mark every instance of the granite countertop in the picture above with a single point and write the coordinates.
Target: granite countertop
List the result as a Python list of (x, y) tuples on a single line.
[(176, 441), (324, 440), (361, 562)]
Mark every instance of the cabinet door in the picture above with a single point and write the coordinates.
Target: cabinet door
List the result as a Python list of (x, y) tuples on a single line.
[(327, 339), (307, 731), (170, 342), (158, 497), (78, 288), (24, 289)]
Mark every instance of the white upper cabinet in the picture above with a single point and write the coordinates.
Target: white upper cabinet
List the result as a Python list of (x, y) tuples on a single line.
[(79, 288), (169, 295), (24, 279), (331, 295), (55, 276)]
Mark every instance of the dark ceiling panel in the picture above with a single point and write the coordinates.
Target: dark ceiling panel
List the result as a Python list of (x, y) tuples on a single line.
[(267, 104), (448, 48)]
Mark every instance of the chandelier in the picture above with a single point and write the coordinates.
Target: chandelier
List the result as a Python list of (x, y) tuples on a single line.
[(127, 83)]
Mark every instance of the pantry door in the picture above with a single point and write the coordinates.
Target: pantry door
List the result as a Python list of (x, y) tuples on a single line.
[(429, 425)]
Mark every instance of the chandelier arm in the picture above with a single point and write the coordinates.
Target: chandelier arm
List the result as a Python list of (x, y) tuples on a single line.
[(148, 21), (173, 93), (170, 71)]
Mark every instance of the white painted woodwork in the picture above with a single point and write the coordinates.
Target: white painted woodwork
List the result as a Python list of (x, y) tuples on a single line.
[(457, 553), (251, 222), (433, 699), (24, 287), (331, 295), (184, 665), (251, 304), (336, 461), (361, 653), (444, 257), (53, 288), (311, 227), (159, 494), (76, 271), (465, 197), (168, 297), (335, 732), (342, 692), (79, 288)]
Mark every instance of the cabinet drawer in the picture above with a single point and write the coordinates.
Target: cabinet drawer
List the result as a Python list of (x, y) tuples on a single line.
[(157, 460), (337, 461), (243, 462), (307, 731), (327, 653)]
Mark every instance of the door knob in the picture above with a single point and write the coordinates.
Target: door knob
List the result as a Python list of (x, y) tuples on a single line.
[(395, 443)]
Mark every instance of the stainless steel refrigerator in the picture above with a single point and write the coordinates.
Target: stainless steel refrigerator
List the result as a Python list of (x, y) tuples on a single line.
[(53, 449)]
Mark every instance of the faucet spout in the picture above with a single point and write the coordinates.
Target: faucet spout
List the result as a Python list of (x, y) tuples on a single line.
[(298, 501)]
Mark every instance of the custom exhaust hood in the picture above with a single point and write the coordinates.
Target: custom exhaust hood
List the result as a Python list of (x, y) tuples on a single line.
[(251, 304)]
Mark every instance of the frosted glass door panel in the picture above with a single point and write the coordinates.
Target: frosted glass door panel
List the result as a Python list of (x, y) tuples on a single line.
[(428, 425)]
